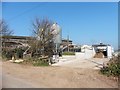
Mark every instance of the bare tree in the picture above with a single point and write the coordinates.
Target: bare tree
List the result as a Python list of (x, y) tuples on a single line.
[(42, 42), (4, 29)]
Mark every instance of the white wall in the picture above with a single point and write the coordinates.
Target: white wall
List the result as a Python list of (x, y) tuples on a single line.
[(109, 52), (89, 53), (85, 55), (80, 55), (68, 57)]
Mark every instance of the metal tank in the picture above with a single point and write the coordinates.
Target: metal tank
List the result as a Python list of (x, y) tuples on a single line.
[(57, 38), (57, 34)]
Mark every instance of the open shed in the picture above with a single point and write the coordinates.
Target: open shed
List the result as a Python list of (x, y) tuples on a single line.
[(103, 50)]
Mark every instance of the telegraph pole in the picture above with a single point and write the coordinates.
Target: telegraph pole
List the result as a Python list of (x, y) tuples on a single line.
[(68, 42)]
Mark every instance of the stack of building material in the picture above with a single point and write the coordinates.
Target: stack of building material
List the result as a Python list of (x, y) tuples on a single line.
[(99, 55)]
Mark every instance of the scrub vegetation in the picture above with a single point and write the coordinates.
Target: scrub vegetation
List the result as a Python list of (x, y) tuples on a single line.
[(112, 68)]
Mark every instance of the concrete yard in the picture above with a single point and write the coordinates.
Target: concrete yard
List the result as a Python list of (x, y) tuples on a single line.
[(93, 63)]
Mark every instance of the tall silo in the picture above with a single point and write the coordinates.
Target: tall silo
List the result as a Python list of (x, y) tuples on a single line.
[(57, 35)]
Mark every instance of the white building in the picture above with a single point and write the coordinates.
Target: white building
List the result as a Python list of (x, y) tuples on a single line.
[(87, 52), (107, 50), (91, 51)]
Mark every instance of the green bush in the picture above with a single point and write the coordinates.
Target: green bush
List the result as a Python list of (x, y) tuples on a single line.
[(7, 54), (113, 69), (19, 52), (68, 53)]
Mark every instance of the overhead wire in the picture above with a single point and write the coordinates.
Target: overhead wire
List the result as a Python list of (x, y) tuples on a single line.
[(24, 12)]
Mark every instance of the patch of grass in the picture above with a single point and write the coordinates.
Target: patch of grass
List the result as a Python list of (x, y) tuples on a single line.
[(40, 63), (68, 53), (36, 62), (18, 62)]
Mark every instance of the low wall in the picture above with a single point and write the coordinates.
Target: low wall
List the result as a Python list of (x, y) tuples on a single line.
[(69, 57), (80, 55), (86, 55)]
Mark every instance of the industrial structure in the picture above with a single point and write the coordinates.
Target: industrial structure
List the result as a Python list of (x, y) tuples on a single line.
[(15, 41), (97, 50), (61, 45), (105, 50)]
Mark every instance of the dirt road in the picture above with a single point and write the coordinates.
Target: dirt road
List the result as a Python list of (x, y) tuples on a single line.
[(0, 73), (21, 76)]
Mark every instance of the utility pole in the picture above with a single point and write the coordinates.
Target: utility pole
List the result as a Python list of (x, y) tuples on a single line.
[(68, 42)]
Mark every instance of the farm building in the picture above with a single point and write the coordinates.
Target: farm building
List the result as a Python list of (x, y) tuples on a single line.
[(103, 50)]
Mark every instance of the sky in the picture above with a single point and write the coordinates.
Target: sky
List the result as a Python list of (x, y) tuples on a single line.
[(84, 22)]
